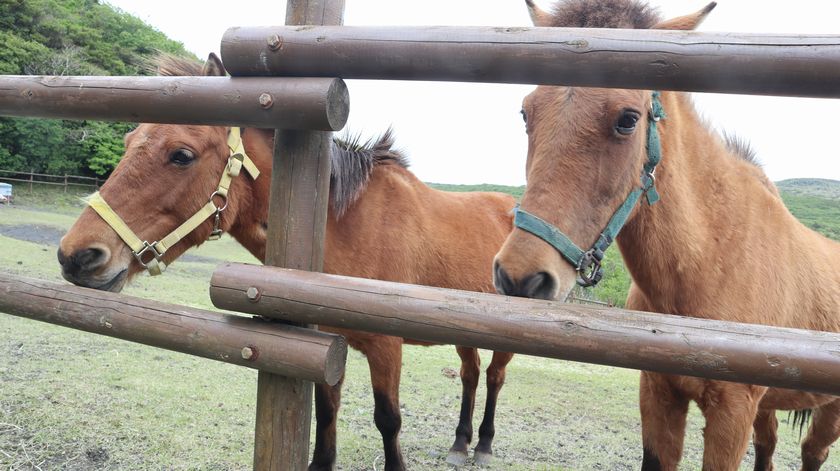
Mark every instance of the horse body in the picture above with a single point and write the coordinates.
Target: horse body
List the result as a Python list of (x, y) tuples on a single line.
[(399, 230), (383, 223), (719, 245)]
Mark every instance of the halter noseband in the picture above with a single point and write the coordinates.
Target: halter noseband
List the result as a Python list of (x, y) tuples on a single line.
[(588, 263), (142, 249)]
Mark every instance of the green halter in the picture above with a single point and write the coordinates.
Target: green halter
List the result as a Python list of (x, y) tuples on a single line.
[(588, 263)]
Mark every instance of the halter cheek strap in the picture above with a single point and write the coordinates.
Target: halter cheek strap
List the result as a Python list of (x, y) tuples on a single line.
[(588, 263), (150, 255)]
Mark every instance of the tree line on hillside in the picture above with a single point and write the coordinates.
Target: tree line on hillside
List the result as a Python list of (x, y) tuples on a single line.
[(70, 37)]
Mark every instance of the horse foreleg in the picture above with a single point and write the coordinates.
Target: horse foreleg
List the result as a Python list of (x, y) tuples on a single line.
[(664, 413), (823, 432), (765, 438), (327, 402), (470, 362), (729, 409), (385, 362), (495, 381)]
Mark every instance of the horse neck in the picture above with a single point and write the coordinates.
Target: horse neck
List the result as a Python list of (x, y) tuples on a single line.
[(714, 229)]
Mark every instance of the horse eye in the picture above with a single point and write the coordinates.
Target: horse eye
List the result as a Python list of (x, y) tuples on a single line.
[(627, 122), (182, 157)]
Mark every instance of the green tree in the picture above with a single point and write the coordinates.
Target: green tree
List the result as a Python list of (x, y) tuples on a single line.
[(70, 37)]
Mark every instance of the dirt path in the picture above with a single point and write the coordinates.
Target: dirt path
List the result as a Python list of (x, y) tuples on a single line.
[(50, 235)]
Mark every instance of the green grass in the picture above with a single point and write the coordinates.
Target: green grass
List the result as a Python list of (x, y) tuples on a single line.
[(818, 213), (72, 400)]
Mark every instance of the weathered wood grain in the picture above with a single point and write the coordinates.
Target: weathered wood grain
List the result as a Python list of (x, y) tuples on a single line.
[(757, 354), (296, 227), (291, 103), (281, 349), (761, 64)]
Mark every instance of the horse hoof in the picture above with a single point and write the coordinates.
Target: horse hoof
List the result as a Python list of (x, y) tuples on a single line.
[(483, 459), (456, 458)]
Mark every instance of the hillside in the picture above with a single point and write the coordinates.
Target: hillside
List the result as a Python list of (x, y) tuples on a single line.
[(70, 37), (819, 187)]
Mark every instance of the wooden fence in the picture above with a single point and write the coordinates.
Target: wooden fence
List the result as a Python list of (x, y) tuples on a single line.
[(759, 64), (30, 179)]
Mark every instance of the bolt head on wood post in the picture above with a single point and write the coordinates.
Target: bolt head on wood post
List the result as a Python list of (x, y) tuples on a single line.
[(266, 101), (274, 42), (248, 353), (253, 294)]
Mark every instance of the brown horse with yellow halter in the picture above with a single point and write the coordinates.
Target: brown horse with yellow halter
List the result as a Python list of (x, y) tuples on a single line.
[(702, 230), (383, 223)]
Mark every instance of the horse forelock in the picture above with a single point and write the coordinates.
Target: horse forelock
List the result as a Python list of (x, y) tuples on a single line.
[(631, 14), (353, 161)]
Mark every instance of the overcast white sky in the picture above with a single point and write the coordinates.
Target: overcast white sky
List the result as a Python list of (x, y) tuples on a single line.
[(473, 133)]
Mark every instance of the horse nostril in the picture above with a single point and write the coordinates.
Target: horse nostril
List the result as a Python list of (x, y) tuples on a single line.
[(539, 286), (89, 258), (84, 260), (502, 281)]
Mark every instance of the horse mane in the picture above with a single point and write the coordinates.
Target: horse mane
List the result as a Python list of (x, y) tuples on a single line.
[(352, 164), (741, 148), (630, 14), (170, 65)]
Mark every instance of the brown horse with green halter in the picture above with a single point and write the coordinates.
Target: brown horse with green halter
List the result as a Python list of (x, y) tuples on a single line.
[(383, 223), (714, 241)]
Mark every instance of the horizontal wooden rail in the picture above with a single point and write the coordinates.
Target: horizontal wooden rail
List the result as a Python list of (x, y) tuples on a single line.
[(791, 65), (772, 356), (32, 174), (255, 343), (290, 103), (41, 182)]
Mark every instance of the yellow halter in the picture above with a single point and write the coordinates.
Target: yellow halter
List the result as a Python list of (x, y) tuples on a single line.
[(142, 249)]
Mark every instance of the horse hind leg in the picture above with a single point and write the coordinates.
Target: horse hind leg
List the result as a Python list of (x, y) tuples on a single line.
[(823, 432), (487, 430), (765, 426), (385, 362), (470, 362), (327, 403)]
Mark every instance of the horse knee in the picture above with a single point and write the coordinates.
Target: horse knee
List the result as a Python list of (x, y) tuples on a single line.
[(495, 378)]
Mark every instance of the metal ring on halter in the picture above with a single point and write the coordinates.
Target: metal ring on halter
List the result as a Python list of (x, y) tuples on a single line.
[(147, 247), (589, 269), (223, 197)]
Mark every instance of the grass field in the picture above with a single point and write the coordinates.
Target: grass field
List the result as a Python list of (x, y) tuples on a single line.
[(71, 400)]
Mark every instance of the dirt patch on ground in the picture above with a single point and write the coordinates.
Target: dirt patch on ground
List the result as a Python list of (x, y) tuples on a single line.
[(49, 235), (39, 234)]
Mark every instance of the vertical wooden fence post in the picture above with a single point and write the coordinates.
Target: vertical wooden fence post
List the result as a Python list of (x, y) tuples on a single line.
[(296, 226)]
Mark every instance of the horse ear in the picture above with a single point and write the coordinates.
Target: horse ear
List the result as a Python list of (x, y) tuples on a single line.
[(538, 16), (687, 22), (213, 66)]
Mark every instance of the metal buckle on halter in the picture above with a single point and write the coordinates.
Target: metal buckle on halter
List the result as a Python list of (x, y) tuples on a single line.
[(589, 268), (217, 231), (150, 248)]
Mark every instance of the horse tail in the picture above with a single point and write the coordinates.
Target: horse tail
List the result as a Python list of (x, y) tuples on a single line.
[(801, 418)]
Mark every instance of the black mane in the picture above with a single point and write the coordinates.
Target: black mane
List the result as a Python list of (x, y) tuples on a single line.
[(352, 164)]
